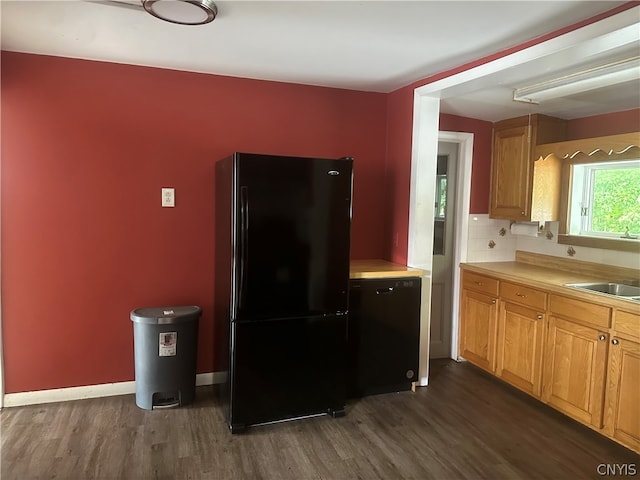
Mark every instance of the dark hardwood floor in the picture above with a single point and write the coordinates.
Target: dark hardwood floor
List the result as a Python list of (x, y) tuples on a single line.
[(465, 425)]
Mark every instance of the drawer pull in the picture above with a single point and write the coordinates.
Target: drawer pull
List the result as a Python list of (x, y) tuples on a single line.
[(602, 337), (521, 295), (539, 317), (615, 341), (479, 283), (493, 301)]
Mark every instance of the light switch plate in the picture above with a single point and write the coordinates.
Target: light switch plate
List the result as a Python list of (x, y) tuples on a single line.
[(168, 197)]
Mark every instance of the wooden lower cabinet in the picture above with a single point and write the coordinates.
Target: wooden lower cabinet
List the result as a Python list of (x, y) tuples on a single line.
[(574, 370), (581, 358), (622, 413), (520, 340), (478, 321)]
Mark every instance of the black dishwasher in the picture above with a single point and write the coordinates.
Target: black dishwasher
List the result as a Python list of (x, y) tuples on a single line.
[(384, 335)]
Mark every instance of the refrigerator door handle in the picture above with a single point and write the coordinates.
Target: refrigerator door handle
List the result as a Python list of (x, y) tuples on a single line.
[(244, 247)]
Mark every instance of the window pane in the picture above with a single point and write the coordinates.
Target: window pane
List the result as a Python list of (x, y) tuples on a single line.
[(616, 201), (442, 190)]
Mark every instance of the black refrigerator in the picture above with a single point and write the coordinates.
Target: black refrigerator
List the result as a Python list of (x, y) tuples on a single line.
[(282, 272)]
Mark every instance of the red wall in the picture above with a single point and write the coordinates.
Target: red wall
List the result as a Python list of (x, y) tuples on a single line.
[(86, 148), (606, 124), (398, 173), (481, 165), (399, 138)]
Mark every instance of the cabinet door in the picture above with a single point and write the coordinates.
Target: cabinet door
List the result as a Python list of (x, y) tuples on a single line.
[(511, 175), (574, 371), (478, 322), (520, 336), (623, 392)]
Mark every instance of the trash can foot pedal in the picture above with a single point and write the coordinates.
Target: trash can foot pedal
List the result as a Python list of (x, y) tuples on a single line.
[(162, 401)]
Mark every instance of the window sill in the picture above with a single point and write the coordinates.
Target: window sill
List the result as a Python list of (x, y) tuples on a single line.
[(625, 245)]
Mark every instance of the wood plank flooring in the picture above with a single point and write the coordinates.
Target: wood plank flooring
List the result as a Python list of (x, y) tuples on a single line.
[(465, 425)]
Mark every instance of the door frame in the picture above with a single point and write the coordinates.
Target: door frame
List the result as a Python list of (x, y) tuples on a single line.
[(421, 215), (463, 142)]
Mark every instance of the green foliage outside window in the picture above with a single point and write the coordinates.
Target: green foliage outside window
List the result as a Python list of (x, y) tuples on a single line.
[(616, 201)]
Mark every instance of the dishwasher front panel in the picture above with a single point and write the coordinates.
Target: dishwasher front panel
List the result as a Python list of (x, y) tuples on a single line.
[(383, 335)]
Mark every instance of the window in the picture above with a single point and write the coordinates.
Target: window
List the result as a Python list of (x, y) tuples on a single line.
[(605, 200), (441, 196), (601, 201), (440, 214)]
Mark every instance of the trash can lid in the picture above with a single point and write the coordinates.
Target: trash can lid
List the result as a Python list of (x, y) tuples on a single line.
[(161, 315)]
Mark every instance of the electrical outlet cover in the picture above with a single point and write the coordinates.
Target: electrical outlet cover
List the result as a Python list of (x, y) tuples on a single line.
[(168, 197)]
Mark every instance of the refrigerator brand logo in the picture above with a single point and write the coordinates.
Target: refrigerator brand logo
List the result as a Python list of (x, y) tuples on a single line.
[(333, 172)]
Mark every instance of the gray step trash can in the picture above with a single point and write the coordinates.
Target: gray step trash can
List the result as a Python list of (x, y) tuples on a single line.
[(166, 345)]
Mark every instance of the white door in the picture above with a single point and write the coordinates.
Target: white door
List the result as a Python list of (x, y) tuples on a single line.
[(443, 245)]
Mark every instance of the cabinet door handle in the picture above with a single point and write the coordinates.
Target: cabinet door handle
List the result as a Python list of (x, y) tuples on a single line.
[(615, 341), (521, 295), (539, 317), (521, 213), (493, 301), (602, 337), (479, 284)]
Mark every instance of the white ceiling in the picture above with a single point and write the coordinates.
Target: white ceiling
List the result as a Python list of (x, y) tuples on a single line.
[(365, 45)]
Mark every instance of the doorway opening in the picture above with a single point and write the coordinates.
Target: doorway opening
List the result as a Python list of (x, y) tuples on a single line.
[(443, 241), (422, 218)]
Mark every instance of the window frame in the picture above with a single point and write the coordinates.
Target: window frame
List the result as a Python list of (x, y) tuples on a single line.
[(583, 188), (564, 235)]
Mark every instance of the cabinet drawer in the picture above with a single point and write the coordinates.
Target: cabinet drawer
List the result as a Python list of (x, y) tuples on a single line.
[(580, 311), (523, 295), (480, 283), (628, 323)]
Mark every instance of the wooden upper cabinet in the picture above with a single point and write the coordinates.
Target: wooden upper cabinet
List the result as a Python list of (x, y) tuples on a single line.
[(524, 188), (510, 172)]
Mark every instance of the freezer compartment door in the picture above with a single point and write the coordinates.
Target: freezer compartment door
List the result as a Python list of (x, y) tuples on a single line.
[(293, 235), (286, 369)]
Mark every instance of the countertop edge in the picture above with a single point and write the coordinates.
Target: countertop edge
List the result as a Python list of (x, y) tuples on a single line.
[(363, 269), (529, 275)]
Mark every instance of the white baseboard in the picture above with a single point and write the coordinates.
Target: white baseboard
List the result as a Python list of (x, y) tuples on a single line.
[(93, 391)]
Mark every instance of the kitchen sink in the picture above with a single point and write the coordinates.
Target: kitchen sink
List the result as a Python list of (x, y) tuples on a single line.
[(628, 292)]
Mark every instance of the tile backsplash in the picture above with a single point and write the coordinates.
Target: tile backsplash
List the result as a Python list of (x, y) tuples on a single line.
[(484, 231), (490, 240)]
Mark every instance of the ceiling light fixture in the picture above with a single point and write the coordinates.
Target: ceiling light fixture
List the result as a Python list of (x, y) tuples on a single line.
[(183, 12), (597, 77)]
